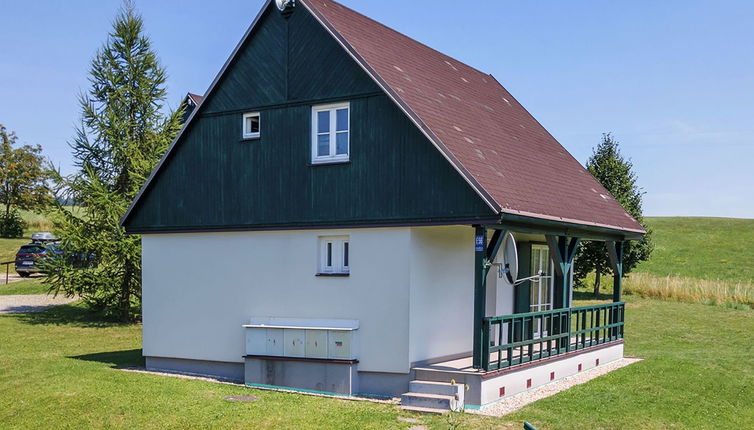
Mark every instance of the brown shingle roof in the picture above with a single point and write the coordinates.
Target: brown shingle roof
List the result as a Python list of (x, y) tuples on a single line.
[(511, 160), (196, 98)]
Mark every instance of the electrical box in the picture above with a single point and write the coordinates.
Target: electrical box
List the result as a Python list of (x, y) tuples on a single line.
[(294, 342), (256, 341), (316, 343), (339, 345), (274, 342), (302, 337)]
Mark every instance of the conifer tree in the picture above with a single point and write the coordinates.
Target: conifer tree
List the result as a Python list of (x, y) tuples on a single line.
[(615, 173), (123, 134)]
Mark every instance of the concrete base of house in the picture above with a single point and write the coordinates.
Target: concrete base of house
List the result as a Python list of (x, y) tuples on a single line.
[(487, 388), (341, 377), (213, 369), (321, 376)]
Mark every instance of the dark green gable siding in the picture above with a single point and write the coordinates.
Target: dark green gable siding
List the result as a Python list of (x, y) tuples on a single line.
[(215, 180)]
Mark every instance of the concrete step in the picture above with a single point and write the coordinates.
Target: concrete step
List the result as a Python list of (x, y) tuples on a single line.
[(434, 401), (434, 387), (425, 410)]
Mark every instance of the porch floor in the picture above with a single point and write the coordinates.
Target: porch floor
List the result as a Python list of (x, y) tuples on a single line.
[(465, 364)]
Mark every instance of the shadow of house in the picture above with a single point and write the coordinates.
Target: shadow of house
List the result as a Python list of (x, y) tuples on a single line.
[(116, 359)]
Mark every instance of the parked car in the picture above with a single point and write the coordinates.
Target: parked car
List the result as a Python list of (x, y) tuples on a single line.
[(29, 256)]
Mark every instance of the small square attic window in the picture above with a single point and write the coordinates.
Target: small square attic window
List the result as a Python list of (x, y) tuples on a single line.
[(251, 125)]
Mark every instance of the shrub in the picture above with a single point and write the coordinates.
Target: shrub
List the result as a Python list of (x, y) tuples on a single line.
[(12, 225)]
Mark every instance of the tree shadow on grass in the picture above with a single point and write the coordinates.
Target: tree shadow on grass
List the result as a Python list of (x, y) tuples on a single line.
[(589, 295), (116, 359), (72, 314)]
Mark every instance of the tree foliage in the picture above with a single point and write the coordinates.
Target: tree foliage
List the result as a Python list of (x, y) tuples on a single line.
[(616, 174), (23, 182), (122, 136)]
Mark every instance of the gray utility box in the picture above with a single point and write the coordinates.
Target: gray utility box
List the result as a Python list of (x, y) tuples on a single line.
[(333, 339), (298, 353)]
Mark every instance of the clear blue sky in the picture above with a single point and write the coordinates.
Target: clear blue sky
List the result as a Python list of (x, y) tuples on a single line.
[(672, 79)]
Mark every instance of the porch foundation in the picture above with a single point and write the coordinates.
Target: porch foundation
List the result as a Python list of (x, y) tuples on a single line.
[(487, 388)]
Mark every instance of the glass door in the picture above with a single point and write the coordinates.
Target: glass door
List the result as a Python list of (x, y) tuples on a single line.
[(541, 289)]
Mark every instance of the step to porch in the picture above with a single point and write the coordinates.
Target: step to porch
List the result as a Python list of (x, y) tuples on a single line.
[(431, 396)]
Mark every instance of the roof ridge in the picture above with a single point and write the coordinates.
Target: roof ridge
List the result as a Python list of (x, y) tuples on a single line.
[(402, 35)]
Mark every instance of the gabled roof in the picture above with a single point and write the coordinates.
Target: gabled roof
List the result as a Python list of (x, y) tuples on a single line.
[(195, 98), (507, 156), (509, 159)]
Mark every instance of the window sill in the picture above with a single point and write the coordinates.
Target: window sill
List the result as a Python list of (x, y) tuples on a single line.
[(329, 162), (246, 139), (333, 275)]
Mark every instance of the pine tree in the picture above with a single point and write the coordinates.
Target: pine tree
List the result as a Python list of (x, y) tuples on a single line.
[(123, 134), (615, 173)]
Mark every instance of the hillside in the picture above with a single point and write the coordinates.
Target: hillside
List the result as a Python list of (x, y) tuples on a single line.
[(702, 248)]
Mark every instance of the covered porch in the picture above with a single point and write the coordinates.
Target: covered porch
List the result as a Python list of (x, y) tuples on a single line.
[(533, 345)]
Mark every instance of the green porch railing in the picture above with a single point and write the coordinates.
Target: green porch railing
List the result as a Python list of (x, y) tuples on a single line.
[(521, 338)]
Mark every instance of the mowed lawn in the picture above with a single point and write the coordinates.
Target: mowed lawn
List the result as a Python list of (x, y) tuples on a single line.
[(8, 249), (702, 248), (58, 370)]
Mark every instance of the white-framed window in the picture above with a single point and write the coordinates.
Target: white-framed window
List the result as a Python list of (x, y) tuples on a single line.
[(334, 255), (331, 133), (251, 125)]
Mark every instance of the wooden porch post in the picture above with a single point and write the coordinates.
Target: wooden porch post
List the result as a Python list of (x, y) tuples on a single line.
[(562, 251), (480, 293), (615, 252), (484, 255)]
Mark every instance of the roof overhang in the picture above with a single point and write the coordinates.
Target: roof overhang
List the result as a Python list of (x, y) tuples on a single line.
[(534, 225)]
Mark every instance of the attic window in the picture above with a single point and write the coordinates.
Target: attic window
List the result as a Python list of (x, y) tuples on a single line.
[(251, 125), (330, 133)]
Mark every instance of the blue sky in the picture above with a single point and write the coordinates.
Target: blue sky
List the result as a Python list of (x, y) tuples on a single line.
[(673, 80)]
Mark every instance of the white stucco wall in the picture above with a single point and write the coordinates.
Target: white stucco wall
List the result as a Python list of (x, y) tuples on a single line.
[(199, 289), (442, 291), (411, 289)]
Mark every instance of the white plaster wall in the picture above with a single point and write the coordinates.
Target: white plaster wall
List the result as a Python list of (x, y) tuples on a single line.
[(442, 291), (199, 288)]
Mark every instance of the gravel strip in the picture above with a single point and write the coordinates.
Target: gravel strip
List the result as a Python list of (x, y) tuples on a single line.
[(518, 401), (19, 304)]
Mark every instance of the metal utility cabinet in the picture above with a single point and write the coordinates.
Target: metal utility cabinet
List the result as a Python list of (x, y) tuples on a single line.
[(308, 354)]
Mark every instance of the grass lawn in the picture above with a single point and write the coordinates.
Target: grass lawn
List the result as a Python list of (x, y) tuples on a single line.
[(8, 249), (31, 286), (57, 371), (703, 248)]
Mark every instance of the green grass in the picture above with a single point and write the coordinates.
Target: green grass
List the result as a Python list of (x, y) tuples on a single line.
[(702, 248), (31, 286), (58, 370), (36, 221), (698, 372)]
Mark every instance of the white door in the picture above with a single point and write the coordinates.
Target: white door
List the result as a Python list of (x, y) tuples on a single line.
[(541, 289)]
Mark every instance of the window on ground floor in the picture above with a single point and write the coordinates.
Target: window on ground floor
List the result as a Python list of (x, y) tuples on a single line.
[(334, 255)]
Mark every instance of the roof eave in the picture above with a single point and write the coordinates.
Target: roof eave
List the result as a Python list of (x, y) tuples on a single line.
[(543, 224)]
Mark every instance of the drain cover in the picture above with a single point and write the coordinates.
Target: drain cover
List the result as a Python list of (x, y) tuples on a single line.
[(241, 398)]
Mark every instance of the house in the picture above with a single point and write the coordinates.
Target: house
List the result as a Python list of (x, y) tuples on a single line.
[(341, 211), (191, 101)]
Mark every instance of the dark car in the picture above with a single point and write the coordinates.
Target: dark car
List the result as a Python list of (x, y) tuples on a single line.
[(29, 256)]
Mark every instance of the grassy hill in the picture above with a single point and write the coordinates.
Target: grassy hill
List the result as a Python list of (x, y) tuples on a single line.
[(702, 248)]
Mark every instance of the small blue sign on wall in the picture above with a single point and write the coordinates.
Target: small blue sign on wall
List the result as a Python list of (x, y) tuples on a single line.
[(479, 242)]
